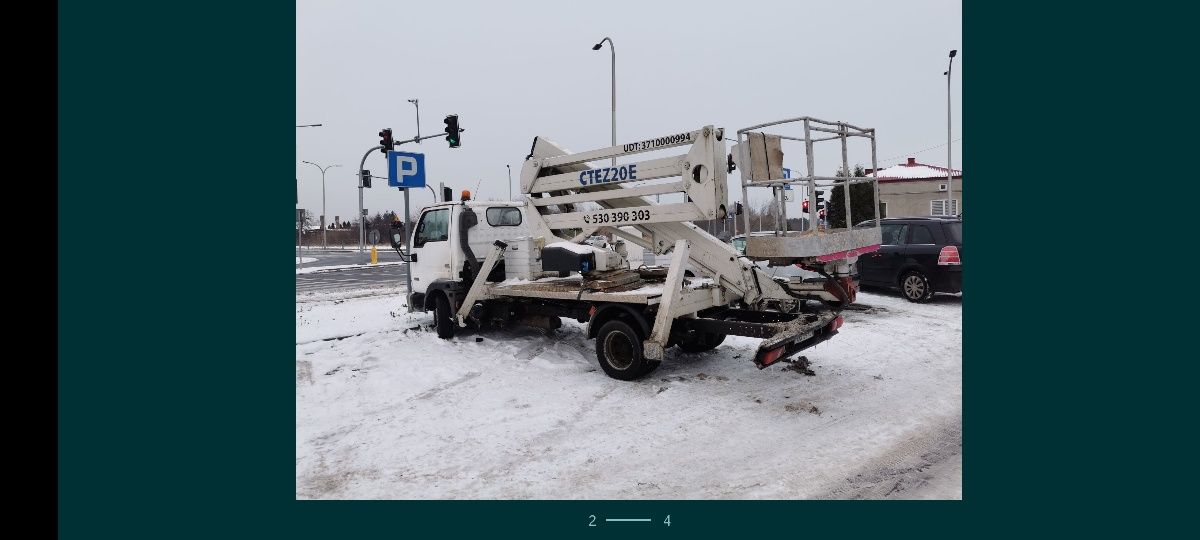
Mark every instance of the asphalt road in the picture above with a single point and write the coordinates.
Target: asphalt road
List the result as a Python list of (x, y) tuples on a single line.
[(349, 278)]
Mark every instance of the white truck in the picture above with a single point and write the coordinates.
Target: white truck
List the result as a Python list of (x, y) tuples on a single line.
[(483, 263)]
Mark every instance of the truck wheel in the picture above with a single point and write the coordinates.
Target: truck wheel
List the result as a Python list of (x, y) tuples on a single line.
[(915, 287), (443, 317), (619, 350), (698, 342)]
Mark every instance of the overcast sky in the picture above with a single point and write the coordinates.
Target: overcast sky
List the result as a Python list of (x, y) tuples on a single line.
[(516, 70)]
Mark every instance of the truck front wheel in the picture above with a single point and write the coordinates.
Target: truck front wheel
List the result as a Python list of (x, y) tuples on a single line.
[(443, 318), (619, 350)]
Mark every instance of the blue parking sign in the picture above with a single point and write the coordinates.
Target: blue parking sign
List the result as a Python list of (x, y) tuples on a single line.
[(406, 170)]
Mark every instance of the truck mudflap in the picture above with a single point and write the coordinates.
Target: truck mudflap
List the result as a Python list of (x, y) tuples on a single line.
[(783, 334)]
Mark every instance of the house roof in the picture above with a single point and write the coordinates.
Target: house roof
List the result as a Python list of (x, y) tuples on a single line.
[(914, 171)]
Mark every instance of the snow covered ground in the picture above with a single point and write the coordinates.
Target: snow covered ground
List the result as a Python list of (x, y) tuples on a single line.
[(386, 410), (305, 259)]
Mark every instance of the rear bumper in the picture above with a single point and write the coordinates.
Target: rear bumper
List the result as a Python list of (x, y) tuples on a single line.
[(949, 281), (783, 334)]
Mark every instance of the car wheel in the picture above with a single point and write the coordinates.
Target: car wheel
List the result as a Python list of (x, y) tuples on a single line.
[(915, 287), (443, 317), (619, 350)]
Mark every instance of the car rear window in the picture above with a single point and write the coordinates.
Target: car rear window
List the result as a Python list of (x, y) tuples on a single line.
[(954, 230)]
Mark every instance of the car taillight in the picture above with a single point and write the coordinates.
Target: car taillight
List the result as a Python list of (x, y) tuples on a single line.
[(949, 256), (771, 356)]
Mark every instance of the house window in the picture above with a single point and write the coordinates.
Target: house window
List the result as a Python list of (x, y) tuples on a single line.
[(941, 187), (937, 207)]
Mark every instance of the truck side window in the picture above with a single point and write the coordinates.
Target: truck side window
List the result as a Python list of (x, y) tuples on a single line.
[(434, 227), (503, 216)]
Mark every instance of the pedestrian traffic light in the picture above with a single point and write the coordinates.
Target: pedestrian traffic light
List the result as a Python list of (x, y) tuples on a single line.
[(452, 135), (805, 205), (386, 141), (366, 178)]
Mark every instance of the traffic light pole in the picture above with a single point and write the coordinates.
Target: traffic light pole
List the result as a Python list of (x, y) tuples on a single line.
[(362, 219), (419, 139)]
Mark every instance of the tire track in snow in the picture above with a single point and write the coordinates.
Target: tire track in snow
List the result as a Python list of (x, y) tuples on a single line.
[(903, 467)]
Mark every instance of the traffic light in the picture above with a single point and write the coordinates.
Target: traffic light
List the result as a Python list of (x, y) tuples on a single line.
[(805, 205), (447, 194), (366, 178), (386, 141), (821, 199), (730, 166), (452, 135), (739, 210)]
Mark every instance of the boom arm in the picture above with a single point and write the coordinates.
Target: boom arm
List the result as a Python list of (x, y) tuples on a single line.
[(556, 180)]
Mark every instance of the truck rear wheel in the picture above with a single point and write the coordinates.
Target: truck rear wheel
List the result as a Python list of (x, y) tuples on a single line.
[(443, 318), (619, 350)]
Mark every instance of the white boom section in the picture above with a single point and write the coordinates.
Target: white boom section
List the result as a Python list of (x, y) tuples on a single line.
[(556, 180)]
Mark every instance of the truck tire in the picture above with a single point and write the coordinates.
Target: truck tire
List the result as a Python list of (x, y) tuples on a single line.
[(698, 342), (619, 350), (443, 318)]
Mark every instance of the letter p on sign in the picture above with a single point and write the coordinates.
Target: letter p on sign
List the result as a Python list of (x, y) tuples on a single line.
[(406, 170)]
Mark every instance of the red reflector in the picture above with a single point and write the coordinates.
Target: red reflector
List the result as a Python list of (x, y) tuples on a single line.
[(771, 356), (837, 323), (949, 256)]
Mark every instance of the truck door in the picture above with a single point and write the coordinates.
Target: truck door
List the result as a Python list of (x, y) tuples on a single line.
[(431, 245)]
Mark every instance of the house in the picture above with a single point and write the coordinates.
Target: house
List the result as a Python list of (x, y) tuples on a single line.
[(917, 189)]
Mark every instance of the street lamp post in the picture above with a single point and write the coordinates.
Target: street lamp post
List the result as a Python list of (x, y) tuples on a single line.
[(300, 233), (612, 48), (509, 167), (324, 231), (949, 171), (417, 103)]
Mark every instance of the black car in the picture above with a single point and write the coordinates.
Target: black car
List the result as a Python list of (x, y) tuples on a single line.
[(919, 255)]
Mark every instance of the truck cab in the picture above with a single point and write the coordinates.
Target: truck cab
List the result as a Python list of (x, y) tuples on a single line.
[(439, 257)]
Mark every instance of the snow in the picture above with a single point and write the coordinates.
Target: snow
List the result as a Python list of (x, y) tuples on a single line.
[(332, 268), (573, 247), (392, 412), (302, 260), (904, 170)]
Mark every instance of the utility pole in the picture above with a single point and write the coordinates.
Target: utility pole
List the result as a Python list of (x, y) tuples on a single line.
[(949, 154), (509, 182)]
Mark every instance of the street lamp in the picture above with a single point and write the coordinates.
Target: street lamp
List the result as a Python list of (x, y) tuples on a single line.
[(612, 48), (417, 103), (509, 167), (949, 172), (324, 232)]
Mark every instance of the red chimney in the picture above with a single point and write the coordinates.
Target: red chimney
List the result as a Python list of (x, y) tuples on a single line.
[(912, 162)]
